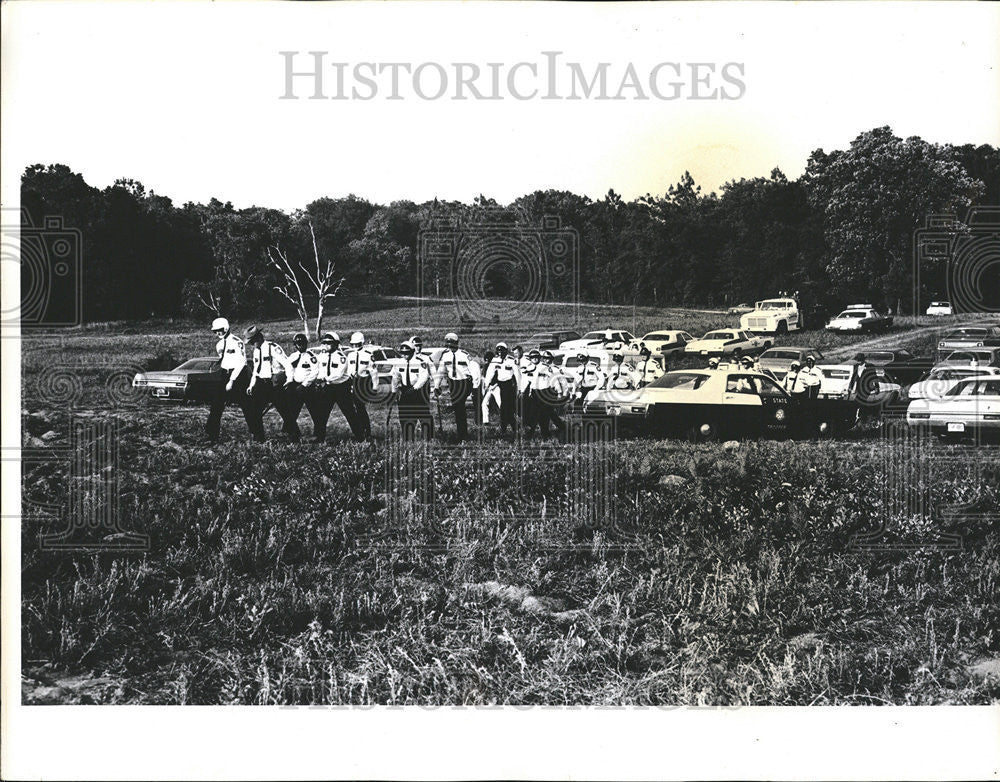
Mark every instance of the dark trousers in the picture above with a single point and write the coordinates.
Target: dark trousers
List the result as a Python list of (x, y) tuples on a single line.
[(578, 403), (508, 404), (458, 392), (297, 395), (546, 406), (237, 395), (414, 415), (361, 388), (340, 395), (270, 392)]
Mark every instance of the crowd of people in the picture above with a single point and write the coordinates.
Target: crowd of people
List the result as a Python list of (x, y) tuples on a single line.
[(526, 391)]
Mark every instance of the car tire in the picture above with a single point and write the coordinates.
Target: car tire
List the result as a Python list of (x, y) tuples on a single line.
[(782, 327), (738, 353)]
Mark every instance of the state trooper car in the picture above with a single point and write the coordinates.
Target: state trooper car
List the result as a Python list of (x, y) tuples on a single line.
[(940, 308), (705, 404), (607, 339), (861, 318)]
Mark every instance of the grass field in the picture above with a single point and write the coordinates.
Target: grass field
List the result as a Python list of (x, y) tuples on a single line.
[(757, 573)]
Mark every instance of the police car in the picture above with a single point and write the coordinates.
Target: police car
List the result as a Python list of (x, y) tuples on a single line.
[(860, 318), (704, 404), (727, 342), (969, 337), (666, 343), (608, 339), (940, 308)]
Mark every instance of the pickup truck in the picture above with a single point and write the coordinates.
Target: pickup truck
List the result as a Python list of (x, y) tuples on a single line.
[(773, 316)]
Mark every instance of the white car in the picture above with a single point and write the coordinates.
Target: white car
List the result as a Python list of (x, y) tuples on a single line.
[(940, 308), (608, 339), (664, 342), (942, 379), (727, 342), (860, 317), (972, 406), (773, 316)]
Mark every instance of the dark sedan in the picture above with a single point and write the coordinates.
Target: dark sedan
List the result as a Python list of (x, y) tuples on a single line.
[(196, 380)]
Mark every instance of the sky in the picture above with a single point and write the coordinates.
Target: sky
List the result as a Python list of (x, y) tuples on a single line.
[(186, 97)]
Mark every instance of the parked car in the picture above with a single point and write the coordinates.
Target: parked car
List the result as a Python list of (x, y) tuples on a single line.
[(940, 308), (942, 379), (897, 365), (969, 337), (861, 318), (196, 380), (727, 342), (665, 342), (972, 357), (773, 316), (971, 407), (779, 359), (739, 309), (706, 404), (609, 339), (385, 359), (856, 381), (550, 340)]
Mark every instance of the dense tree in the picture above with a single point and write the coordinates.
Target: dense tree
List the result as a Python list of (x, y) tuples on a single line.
[(844, 230), (873, 196)]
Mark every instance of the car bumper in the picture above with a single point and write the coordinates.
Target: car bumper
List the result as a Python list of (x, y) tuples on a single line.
[(954, 424)]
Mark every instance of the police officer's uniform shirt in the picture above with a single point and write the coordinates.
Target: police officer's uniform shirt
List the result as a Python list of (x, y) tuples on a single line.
[(458, 365), (588, 376), (411, 375), (232, 352), (503, 369), (531, 377), (360, 362), (621, 377), (808, 378), (305, 366), (548, 378), (648, 370), (790, 379), (333, 366), (269, 360)]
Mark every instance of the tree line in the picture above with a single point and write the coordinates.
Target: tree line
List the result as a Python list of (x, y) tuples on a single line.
[(843, 231)]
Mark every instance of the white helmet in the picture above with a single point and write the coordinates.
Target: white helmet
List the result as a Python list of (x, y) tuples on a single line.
[(220, 323), (357, 338), (451, 336)]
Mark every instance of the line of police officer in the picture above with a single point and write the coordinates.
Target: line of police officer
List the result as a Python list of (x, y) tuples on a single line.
[(529, 389)]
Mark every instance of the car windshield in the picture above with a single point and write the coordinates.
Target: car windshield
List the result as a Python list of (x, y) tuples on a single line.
[(780, 354), (199, 365), (596, 335), (967, 333), (774, 305), (658, 337), (719, 335), (940, 304), (851, 314), (680, 381), (540, 338)]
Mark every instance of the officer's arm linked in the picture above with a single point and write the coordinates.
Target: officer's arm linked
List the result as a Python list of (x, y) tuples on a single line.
[(285, 364)]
